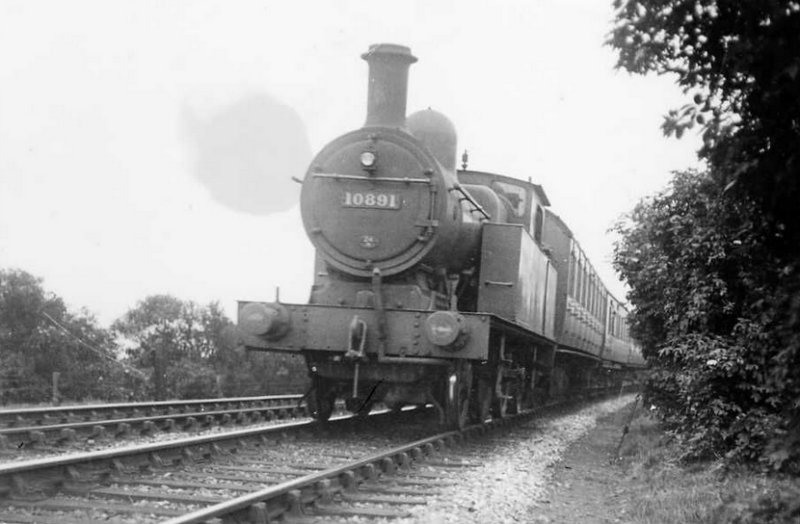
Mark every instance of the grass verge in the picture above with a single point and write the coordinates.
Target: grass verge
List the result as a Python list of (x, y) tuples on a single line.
[(709, 492)]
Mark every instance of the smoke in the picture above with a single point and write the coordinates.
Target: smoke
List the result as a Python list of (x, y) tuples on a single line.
[(246, 154)]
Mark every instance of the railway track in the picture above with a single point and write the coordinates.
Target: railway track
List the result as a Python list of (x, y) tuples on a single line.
[(36, 428), (373, 469), (357, 469)]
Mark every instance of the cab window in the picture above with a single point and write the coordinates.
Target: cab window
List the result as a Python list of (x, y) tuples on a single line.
[(514, 195), (538, 224)]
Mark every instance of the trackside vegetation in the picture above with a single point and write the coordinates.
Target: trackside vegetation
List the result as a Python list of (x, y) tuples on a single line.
[(713, 260), (162, 348), (661, 490), (638, 477)]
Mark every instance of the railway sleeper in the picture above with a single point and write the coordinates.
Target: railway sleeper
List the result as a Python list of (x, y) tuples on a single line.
[(395, 490), (180, 484), (66, 435), (360, 511), (98, 432), (324, 491), (148, 427), (416, 479), (35, 437), (135, 463), (67, 504), (182, 498), (123, 429), (40, 518), (235, 478), (382, 499)]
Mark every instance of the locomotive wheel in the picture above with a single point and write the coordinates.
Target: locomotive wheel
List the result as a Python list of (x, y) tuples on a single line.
[(483, 400), (506, 402), (321, 400), (457, 404)]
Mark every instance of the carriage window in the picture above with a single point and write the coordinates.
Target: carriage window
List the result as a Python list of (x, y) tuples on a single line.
[(572, 271), (515, 195), (585, 291)]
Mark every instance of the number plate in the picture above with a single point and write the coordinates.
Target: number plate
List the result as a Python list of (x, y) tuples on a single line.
[(371, 200)]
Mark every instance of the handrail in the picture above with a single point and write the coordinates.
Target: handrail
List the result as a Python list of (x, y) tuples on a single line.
[(471, 200)]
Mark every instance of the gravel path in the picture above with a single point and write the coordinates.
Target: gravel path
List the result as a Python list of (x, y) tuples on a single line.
[(510, 485)]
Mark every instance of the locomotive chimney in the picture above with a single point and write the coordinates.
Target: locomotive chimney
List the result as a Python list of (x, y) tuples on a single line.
[(388, 84)]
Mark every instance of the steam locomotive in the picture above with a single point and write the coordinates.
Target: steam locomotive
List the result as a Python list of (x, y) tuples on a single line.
[(435, 284)]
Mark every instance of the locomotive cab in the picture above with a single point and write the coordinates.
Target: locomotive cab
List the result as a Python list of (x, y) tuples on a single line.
[(523, 202)]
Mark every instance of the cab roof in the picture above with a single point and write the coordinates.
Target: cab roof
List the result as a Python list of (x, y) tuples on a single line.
[(537, 188)]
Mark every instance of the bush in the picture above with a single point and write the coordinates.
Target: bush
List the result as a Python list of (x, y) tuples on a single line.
[(717, 309)]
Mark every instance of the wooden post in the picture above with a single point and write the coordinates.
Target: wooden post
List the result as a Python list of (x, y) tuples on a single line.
[(158, 373), (56, 400)]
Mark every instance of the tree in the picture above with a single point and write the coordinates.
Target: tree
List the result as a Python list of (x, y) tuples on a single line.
[(714, 262), (191, 350), (695, 263), (185, 344), (39, 336), (163, 333), (742, 60)]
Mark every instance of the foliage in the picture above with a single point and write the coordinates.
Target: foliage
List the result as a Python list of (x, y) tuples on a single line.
[(178, 339), (191, 350), (176, 328), (714, 261), (772, 506), (162, 348), (686, 273), (742, 60), (700, 278), (39, 336), (652, 487)]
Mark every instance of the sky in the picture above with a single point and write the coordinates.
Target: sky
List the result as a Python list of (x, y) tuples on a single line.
[(148, 146)]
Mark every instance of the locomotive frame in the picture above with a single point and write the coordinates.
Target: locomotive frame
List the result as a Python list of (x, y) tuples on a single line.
[(436, 285)]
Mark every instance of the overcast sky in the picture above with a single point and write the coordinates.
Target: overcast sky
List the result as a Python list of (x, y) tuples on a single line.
[(147, 146)]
